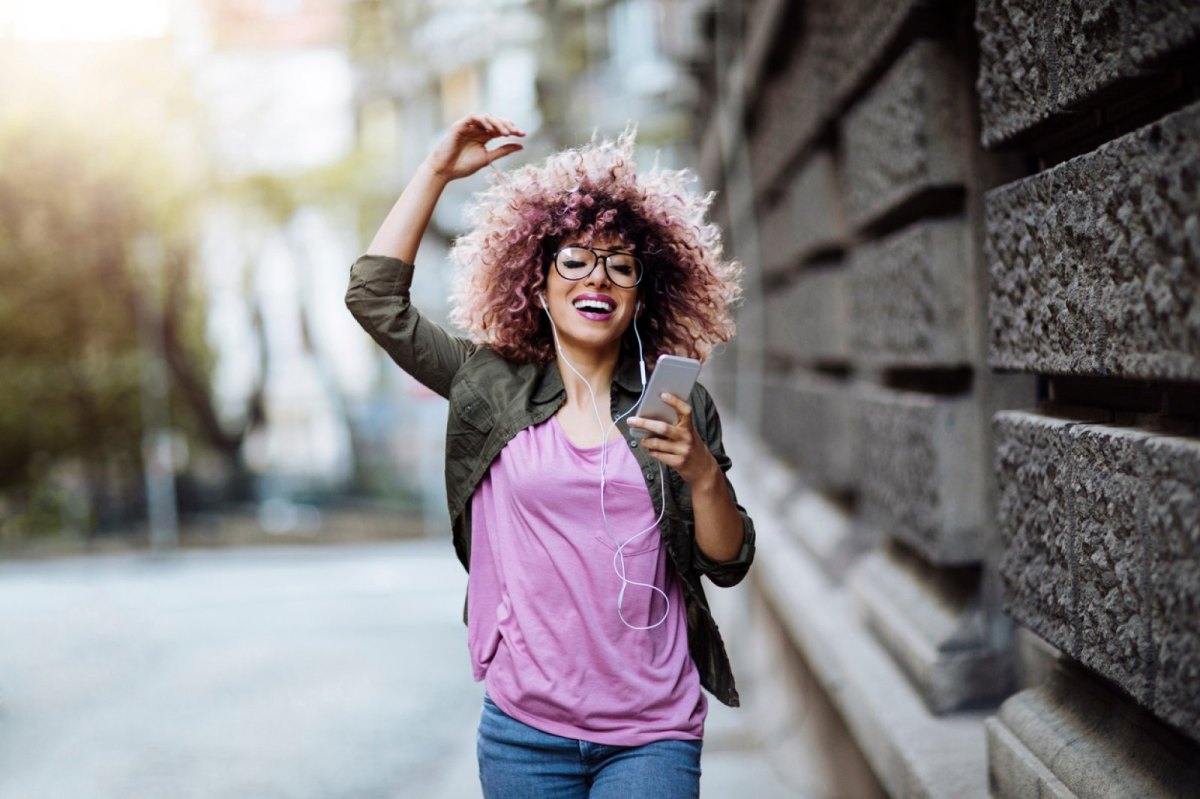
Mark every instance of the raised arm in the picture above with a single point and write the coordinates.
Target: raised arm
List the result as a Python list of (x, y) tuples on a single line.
[(461, 152), (378, 295)]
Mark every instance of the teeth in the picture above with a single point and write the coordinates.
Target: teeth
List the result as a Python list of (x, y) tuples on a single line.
[(594, 305)]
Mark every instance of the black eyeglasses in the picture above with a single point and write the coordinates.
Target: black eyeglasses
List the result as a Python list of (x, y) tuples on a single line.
[(575, 262)]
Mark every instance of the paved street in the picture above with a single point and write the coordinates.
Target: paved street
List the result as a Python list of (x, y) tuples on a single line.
[(281, 672)]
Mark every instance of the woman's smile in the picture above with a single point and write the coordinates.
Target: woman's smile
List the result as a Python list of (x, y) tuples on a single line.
[(598, 307)]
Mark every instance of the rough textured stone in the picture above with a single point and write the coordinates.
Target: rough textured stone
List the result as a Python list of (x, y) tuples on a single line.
[(793, 105), (857, 36), (842, 42), (1100, 527), (1032, 456), (1095, 263), (807, 422), (921, 472), (912, 298), (1172, 525), (1106, 480), (934, 627), (1087, 47), (906, 135), (1160, 27), (1074, 737), (806, 220), (1040, 60), (1016, 85), (807, 321)]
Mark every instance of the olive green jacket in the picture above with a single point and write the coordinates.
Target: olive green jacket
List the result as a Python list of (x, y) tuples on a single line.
[(491, 400)]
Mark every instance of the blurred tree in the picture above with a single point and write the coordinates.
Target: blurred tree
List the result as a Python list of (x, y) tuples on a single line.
[(97, 211)]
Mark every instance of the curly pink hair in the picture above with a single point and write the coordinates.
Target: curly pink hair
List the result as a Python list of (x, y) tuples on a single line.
[(525, 215)]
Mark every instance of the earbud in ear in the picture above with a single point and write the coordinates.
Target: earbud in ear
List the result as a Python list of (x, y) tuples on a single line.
[(542, 300), (638, 309)]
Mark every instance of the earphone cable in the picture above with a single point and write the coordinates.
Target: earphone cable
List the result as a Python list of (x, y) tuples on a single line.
[(619, 554)]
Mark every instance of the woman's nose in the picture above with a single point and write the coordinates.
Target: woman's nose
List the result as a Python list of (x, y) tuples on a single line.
[(599, 274)]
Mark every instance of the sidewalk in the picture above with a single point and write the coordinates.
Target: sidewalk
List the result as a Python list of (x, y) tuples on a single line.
[(333, 672)]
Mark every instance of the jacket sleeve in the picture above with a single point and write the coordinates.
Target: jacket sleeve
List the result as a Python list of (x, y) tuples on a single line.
[(378, 297), (729, 572)]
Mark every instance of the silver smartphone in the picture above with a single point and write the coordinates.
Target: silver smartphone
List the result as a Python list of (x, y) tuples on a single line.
[(673, 374)]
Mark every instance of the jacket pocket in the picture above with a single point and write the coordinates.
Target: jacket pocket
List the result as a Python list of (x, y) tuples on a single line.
[(470, 422)]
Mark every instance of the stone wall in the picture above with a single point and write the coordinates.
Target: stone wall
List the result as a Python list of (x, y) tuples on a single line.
[(1101, 556), (973, 310)]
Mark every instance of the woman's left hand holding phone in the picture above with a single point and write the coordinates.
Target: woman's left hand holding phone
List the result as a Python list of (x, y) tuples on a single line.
[(678, 445)]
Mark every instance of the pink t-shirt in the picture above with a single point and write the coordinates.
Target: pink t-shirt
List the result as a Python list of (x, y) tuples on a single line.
[(542, 622)]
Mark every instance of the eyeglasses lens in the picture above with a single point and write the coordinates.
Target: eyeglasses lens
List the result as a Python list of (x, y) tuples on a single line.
[(576, 263)]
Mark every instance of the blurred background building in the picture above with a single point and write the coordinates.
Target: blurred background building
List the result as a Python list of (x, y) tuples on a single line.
[(964, 399)]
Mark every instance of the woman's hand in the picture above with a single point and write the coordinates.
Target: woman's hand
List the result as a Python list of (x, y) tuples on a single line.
[(463, 150), (679, 445), (719, 530)]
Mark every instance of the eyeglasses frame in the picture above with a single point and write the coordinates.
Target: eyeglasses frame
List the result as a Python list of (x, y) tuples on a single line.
[(595, 251)]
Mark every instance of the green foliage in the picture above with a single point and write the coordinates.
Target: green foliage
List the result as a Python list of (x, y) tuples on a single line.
[(97, 201)]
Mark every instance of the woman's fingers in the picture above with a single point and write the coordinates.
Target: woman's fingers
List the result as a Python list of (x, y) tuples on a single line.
[(681, 427), (672, 444), (682, 408), (503, 150), (502, 126), (487, 123), (463, 151)]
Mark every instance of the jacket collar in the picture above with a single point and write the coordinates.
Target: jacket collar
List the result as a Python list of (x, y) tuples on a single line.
[(550, 384)]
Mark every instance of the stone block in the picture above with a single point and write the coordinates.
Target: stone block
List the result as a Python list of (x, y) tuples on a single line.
[(808, 319), (792, 107), (1094, 264), (932, 624), (1032, 453), (806, 220), (807, 423), (1100, 529), (1106, 478), (921, 472), (1075, 737), (1016, 83), (856, 37), (906, 135), (1040, 60), (1158, 29), (1087, 49), (913, 296), (1172, 522), (843, 42)]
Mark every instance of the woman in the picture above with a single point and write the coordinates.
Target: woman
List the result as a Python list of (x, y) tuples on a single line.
[(585, 546)]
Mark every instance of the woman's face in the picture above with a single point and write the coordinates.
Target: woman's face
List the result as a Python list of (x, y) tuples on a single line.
[(593, 313)]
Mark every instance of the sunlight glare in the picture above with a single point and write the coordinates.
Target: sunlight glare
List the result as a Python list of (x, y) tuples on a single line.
[(55, 20)]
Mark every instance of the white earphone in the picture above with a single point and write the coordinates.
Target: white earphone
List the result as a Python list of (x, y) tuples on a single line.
[(619, 555)]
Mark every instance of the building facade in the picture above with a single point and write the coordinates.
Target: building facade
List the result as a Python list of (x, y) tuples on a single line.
[(966, 388)]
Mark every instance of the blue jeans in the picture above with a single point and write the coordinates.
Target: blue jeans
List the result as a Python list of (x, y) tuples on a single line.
[(517, 761)]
